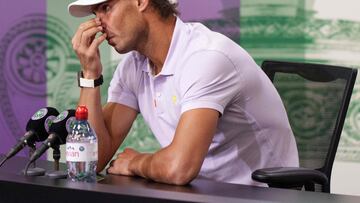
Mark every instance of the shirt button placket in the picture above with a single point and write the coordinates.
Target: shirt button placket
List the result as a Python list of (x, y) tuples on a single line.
[(157, 98)]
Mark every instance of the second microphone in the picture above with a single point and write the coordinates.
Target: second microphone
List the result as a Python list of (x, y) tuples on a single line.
[(58, 132)]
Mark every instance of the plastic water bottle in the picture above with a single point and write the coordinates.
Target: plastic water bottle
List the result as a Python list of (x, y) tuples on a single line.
[(81, 149)]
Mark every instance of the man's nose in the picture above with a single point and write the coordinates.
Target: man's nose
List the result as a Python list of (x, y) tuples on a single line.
[(99, 15), (102, 19)]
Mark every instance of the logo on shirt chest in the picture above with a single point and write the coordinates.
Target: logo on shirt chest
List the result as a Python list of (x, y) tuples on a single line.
[(165, 102), (174, 99)]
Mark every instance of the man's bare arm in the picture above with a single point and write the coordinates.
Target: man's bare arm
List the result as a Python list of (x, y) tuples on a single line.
[(180, 162), (111, 123), (110, 135)]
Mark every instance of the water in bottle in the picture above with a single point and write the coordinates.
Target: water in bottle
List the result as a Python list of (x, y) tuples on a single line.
[(81, 149)]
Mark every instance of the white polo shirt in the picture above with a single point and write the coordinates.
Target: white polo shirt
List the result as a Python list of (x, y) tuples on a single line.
[(204, 69)]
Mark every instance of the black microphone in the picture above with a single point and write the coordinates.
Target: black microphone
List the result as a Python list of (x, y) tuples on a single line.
[(59, 130), (36, 130)]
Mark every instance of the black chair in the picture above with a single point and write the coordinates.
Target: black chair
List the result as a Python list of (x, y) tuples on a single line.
[(316, 98)]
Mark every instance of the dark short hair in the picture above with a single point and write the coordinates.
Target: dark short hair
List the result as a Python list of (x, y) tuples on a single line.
[(164, 7)]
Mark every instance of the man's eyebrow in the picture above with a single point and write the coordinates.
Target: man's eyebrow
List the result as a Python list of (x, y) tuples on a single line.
[(95, 8)]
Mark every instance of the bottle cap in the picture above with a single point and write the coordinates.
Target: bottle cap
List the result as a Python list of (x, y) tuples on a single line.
[(81, 113)]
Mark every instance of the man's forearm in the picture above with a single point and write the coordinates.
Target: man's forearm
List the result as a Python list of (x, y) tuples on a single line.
[(161, 167), (91, 98), (86, 47)]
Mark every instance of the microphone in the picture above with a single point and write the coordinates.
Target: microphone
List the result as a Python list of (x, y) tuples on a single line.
[(36, 130), (59, 130)]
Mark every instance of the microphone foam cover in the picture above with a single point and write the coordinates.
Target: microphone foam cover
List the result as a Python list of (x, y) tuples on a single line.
[(61, 125), (41, 121)]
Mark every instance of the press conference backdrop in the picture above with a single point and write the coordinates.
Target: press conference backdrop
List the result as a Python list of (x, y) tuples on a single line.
[(38, 67)]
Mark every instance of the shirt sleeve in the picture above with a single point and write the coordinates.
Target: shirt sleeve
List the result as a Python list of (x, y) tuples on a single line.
[(209, 80), (121, 89)]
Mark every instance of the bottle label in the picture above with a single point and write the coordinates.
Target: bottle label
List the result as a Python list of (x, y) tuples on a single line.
[(79, 152)]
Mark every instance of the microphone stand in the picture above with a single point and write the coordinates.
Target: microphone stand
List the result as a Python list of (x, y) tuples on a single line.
[(56, 173), (33, 171)]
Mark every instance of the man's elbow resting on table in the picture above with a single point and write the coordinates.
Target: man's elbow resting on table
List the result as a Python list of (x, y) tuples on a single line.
[(180, 173)]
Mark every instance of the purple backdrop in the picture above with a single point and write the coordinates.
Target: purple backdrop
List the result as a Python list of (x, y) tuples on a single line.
[(219, 15), (22, 67)]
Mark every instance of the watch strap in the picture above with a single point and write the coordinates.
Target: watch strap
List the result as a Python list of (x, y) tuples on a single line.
[(83, 82)]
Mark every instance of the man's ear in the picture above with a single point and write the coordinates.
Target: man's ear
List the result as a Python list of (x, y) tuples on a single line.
[(143, 4)]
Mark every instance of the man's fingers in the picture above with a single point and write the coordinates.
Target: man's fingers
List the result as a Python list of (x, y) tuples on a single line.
[(88, 36), (83, 27), (92, 51), (120, 166), (111, 170), (97, 41), (111, 163), (129, 150)]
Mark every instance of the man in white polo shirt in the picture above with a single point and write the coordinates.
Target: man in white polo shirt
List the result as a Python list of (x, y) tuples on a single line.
[(213, 110)]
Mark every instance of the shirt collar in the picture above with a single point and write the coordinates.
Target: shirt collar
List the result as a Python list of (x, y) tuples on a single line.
[(170, 61)]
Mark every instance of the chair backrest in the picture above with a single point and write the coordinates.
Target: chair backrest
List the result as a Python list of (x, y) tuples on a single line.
[(316, 98)]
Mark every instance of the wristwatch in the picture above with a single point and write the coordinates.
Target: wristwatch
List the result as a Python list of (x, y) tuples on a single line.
[(83, 82)]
